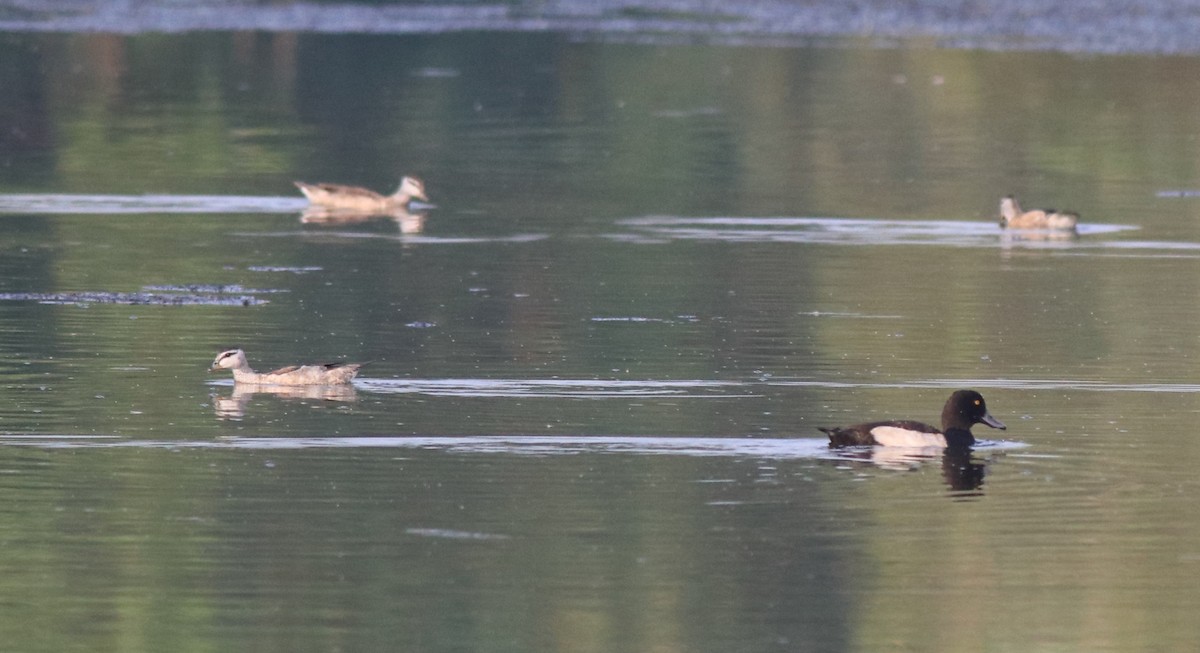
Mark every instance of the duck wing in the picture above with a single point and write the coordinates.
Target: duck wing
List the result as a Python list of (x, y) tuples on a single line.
[(895, 432), (334, 366), (348, 191)]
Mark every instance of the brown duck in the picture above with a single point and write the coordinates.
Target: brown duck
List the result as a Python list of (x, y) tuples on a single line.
[(354, 198), (1013, 217)]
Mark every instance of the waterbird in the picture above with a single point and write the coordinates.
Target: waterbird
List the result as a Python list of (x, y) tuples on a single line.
[(1013, 217), (964, 409), (355, 198), (318, 374)]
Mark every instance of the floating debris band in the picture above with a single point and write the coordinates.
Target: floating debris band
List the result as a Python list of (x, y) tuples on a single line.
[(133, 298), (1133, 26)]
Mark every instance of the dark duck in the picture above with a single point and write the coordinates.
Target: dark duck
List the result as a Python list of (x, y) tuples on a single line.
[(963, 410)]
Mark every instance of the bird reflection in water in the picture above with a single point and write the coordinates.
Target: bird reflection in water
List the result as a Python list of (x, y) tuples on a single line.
[(962, 471), (410, 222), (234, 406), (1046, 238)]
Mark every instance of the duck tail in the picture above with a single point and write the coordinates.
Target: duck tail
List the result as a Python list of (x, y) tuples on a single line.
[(304, 188), (834, 433)]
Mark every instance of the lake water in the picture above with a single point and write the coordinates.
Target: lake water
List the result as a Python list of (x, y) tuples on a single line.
[(598, 363)]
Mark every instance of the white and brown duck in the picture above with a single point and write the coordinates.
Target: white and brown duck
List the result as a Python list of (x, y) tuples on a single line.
[(354, 198), (318, 374), (1012, 216)]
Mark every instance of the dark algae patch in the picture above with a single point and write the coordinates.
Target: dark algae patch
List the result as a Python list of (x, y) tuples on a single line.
[(134, 298)]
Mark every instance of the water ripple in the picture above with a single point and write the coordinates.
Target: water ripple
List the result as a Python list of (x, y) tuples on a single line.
[(559, 388), (705, 389), (1003, 384), (125, 204), (847, 231), (409, 239), (538, 445), (451, 534)]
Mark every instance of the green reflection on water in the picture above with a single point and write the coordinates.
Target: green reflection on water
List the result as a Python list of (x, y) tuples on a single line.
[(537, 150)]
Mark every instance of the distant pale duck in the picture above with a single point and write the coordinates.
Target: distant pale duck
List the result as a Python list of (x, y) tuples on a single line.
[(361, 199), (963, 410), (321, 374), (1013, 217)]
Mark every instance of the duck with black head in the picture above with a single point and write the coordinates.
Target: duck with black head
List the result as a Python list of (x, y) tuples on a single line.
[(964, 409)]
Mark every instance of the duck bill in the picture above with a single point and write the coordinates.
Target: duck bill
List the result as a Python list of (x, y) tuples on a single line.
[(992, 422)]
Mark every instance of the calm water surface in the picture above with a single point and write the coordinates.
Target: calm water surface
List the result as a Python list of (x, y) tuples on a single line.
[(598, 363)]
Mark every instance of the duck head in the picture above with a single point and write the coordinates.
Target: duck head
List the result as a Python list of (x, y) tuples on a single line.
[(1009, 209), (230, 359), (966, 408), (413, 188)]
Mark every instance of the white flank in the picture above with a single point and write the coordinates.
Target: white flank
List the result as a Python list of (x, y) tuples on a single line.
[(893, 436)]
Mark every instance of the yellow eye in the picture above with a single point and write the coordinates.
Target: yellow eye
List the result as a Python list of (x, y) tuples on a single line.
[(976, 402)]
